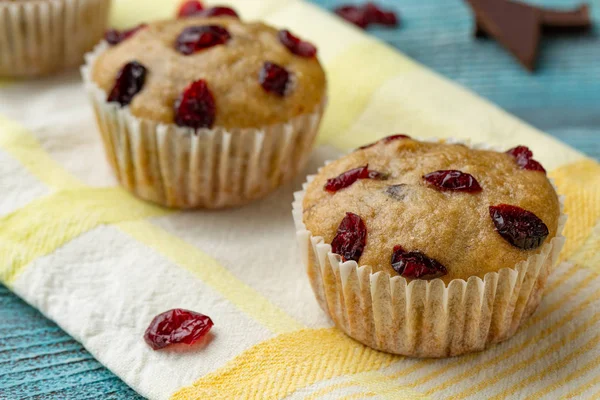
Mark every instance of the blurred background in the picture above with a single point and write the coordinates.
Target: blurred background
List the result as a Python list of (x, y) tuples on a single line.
[(561, 98), (39, 361)]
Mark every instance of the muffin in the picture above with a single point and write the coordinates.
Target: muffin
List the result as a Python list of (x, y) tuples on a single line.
[(206, 112), (39, 37), (429, 249)]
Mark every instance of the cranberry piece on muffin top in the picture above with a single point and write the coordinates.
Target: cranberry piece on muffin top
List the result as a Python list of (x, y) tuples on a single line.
[(130, 80), (274, 78), (189, 8), (392, 138), (196, 107), (114, 37), (351, 238), (196, 38), (296, 45), (519, 227), (347, 178), (524, 158), (416, 265), (453, 180)]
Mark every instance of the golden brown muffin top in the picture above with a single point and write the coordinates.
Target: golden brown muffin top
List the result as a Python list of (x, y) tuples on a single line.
[(231, 71), (455, 228)]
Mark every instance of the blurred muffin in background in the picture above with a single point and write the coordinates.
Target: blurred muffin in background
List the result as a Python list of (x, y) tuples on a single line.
[(39, 37)]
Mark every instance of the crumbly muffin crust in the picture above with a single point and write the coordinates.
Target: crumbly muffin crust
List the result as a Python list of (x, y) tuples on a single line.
[(231, 71), (452, 227)]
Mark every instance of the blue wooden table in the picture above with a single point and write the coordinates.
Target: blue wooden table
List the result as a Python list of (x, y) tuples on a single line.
[(38, 360)]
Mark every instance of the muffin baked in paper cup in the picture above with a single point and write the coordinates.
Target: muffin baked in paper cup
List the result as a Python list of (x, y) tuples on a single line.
[(424, 318), (184, 168), (39, 37)]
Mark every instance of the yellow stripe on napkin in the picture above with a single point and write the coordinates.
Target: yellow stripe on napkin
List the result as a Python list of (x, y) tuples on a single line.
[(276, 368), (18, 142), (580, 182), (46, 224), (578, 391), (588, 254)]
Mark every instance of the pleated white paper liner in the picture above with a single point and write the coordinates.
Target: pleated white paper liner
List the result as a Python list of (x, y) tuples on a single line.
[(40, 37), (208, 168), (424, 318)]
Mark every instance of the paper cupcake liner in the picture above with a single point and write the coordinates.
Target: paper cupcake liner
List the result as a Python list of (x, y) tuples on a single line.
[(424, 318), (207, 168), (43, 36)]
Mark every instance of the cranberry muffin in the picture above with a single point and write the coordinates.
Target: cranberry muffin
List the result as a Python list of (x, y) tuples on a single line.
[(39, 37), (429, 249), (206, 112)]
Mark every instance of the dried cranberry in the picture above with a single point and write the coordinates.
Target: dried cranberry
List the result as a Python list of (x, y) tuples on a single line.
[(524, 158), (196, 107), (296, 45), (130, 80), (349, 177), (363, 16), (218, 12), (189, 8), (114, 37), (351, 237), (393, 138), (385, 140), (534, 166), (274, 78), (377, 15), (416, 265), (177, 326), (196, 38), (519, 227), (520, 152), (453, 180), (353, 14)]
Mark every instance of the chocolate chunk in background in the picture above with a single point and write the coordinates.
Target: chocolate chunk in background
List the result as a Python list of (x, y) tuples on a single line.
[(516, 26), (566, 21), (479, 32), (555, 21)]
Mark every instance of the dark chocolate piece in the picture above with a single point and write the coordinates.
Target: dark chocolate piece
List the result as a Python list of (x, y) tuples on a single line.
[(516, 26), (554, 21), (480, 33), (562, 21)]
